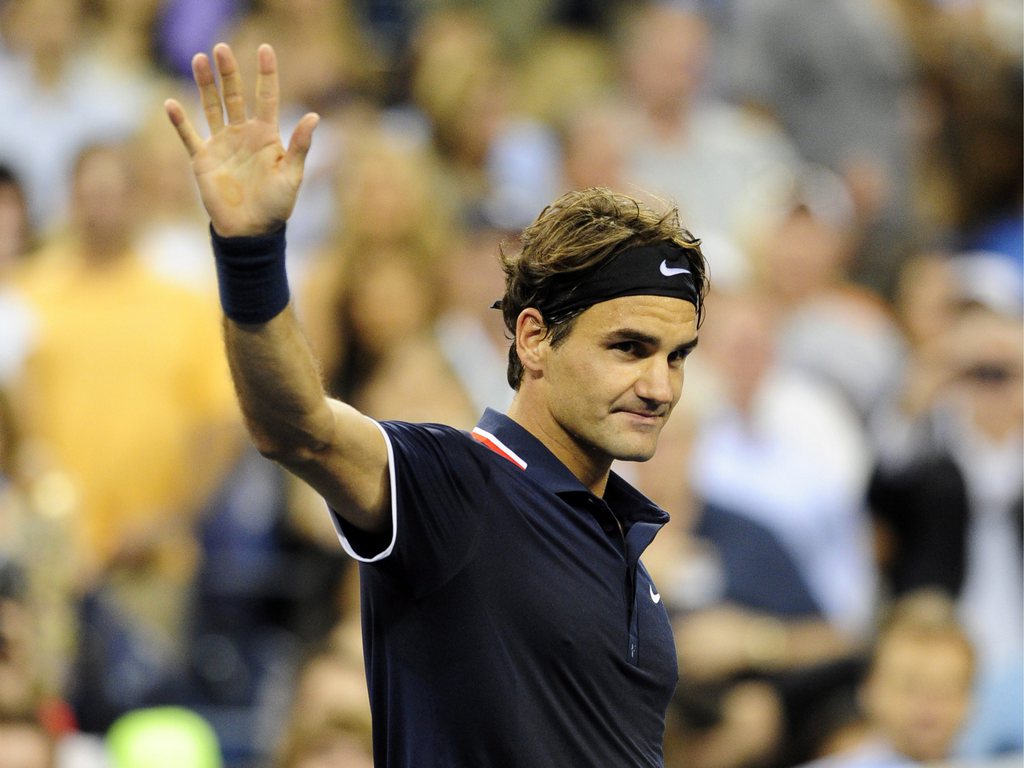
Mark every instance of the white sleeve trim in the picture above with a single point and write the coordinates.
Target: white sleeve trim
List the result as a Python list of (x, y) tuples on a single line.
[(345, 544)]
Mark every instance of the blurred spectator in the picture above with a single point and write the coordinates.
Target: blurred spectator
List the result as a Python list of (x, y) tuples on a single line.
[(498, 167), (58, 96), (568, 69), (521, 24), (970, 119), (801, 242), (778, 470), (329, 725), (332, 70), (595, 145), (733, 726), (270, 585), (379, 291), (917, 693), (697, 151), (36, 583), (173, 237), (121, 33), (471, 334), (838, 75), (127, 396), (949, 487), (787, 455), (28, 704)]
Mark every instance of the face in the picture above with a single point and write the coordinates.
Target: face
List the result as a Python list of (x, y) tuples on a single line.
[(919, 692), (986, 350), (609, 386), (667, 59), (102, 198)]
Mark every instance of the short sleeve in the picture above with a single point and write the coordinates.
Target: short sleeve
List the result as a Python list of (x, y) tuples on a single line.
[(440, 492)]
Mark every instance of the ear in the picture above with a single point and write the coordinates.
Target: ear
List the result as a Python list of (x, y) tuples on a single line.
[(531, 340)]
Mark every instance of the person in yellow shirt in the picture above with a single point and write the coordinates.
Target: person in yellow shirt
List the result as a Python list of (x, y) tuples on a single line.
[(126, 396)]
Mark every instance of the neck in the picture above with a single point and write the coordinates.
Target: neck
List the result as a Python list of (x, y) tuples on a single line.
[(591, 471), (668, 120), (102, 252)]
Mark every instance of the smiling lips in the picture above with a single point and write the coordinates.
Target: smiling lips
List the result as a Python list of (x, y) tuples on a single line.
[(647, 415)]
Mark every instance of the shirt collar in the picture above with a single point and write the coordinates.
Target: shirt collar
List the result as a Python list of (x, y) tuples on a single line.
[(515, 443)]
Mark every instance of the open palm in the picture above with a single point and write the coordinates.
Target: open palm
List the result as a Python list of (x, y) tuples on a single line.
[(248, 181)]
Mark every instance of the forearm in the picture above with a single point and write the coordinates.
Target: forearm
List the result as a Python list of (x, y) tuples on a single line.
[(279, 388), (330, 445), (275, 375), (775, 644)]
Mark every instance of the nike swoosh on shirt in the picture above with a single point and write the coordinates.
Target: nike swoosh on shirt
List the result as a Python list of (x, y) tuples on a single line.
[(668, 271), (655, 596)]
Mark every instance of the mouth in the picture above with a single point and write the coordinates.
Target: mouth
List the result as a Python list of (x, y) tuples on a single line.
[(645, 417)]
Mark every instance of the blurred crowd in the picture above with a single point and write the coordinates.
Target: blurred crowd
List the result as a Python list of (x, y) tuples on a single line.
[(844, 472)]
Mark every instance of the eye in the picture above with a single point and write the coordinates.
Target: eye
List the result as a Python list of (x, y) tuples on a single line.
[(676, 359), (631, 348)]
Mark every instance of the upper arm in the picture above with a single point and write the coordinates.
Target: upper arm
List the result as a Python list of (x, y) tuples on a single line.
[(350, 470)]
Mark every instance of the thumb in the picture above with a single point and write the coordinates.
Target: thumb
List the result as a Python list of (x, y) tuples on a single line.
[(301, 141)]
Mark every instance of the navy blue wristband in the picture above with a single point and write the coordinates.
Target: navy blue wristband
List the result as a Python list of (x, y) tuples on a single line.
[(251, 276)]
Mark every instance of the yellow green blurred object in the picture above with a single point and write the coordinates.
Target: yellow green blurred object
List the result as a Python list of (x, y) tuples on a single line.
[(163, 737)]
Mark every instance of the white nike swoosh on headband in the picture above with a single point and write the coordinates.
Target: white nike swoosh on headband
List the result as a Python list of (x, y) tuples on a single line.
[(668, 271)]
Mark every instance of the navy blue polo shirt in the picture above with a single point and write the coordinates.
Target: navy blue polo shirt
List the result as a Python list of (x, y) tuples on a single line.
[(507, 619)]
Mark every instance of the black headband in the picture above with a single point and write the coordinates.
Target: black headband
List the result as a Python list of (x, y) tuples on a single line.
[(649, 270)]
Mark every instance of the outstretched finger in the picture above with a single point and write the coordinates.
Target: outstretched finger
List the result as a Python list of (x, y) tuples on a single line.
[(230, 83), (208, 94), (301, 141), (266, 85), (193, 143)]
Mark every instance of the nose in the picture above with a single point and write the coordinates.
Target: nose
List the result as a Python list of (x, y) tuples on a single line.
[(659, 382)]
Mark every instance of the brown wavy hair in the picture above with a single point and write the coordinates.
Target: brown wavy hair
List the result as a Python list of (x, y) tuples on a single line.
[(574, 236)]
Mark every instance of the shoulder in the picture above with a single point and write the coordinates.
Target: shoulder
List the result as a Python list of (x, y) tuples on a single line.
[(428, 441)]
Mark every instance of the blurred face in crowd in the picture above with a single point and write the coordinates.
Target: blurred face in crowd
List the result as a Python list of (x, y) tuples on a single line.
[(804, 256), (987, 350), (386, 195), (739, 339), (24, 745), (102, 198), (918, 692), (665, 58), (45, 28), (595, 149), (389, 303)]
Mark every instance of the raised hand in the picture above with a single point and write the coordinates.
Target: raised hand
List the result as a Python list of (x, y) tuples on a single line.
[(247, 180)]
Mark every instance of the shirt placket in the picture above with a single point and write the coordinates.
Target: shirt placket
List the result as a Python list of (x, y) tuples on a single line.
[(637, 538), (625, 542)]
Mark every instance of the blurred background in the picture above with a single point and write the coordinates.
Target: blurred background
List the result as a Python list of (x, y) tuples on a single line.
[(844, 562)]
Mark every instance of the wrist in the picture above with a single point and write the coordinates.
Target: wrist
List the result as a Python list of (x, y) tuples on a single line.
[(251, 276)]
